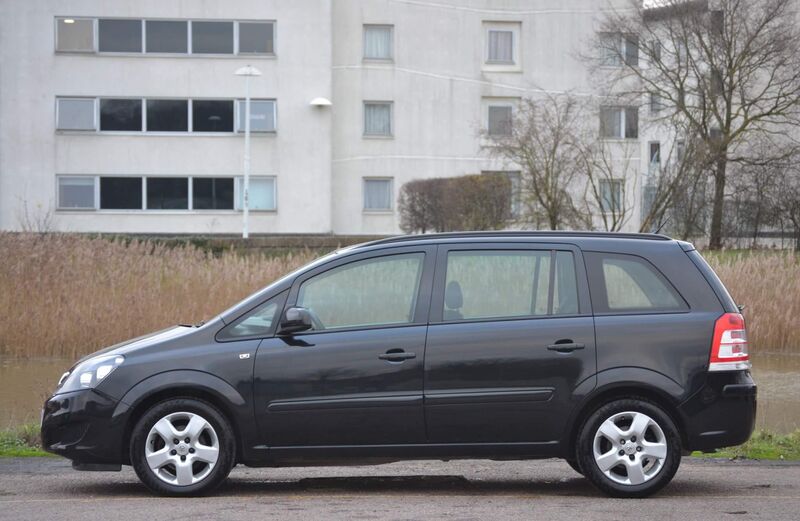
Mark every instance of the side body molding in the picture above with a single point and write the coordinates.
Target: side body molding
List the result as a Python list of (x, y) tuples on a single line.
[(236, 407)]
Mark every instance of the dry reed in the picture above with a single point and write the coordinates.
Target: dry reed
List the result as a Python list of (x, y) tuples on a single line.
[(69, 295)]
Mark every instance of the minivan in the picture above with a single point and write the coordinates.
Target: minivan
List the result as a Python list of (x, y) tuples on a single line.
[(617, 352)]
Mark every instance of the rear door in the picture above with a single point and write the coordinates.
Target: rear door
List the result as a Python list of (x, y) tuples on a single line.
[(511, 337)]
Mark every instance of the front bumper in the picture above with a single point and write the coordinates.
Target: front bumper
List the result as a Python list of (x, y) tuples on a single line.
[(80, 426), (722, 413)]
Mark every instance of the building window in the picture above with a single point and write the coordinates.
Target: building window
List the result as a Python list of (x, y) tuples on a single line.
[(75, 114), (378, 42), (263, 116), (619, 122), (121, 115), (76, 193), (515, 186), (377, 195), (656, 104), (256, 38), (74, 35), (212, 37), (212, 115), (167, 115), (680, 150), (119, 35), (167, 193), (655, 156), (500, 120), (610, 195), (212, 193), (619, 49), (501, 44), (120, 193), (262, 194), (166, 36), (378, 118)]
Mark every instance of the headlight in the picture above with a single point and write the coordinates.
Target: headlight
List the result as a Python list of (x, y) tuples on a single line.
[(88, 374)]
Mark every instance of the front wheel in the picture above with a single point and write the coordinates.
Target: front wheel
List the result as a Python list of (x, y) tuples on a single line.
[(182, 447), (629, 448)]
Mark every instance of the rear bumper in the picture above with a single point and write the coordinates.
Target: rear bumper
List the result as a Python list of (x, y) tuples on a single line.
[(722, 413), (80, 426)]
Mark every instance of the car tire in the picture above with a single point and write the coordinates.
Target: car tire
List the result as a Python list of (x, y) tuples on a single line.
[(629, 448), (182, 447), (573, 463)]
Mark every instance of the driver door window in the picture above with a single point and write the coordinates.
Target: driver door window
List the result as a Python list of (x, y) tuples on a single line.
[(372, 292)]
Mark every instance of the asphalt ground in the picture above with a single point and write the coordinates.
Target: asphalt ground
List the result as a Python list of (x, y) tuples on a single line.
[(48, 489)]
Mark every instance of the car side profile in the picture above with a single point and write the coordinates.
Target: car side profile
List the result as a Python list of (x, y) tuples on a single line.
[(616, 352)]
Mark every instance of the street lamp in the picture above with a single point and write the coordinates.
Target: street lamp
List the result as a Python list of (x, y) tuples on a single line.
[(248, 72)]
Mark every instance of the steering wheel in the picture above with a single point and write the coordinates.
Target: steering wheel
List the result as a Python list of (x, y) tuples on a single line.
[(315, 321)]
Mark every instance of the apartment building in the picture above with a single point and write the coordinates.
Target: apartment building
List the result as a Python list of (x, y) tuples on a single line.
[(127, 117)]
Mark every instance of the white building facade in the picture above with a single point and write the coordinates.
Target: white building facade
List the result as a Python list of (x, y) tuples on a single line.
[(126, 117)]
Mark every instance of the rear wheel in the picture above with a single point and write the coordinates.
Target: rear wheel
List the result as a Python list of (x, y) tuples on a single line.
[(629, 448), (183, 446)]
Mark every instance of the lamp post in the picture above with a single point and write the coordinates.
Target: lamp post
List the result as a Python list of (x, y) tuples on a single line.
[(248, 72)]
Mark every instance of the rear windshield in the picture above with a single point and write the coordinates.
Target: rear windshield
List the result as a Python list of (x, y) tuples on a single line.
[(629, 284)]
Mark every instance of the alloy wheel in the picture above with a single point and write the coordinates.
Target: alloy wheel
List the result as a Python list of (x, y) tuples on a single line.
[(182, 448), (630, 448)]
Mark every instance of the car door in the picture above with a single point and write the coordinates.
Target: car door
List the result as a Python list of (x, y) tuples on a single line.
[(356, 379), (511, 337)]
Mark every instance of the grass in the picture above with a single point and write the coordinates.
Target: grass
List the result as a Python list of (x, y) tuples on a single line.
[(67, 295), (763, 445), (21, 442)]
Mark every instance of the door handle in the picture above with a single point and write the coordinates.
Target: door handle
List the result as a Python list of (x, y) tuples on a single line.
[(566, 347), (396, 355)]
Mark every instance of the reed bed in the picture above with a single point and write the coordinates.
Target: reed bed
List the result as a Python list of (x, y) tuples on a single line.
[(68, 295)]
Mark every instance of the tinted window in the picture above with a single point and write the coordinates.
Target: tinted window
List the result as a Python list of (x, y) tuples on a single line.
[(628, 283), (212, 115), (119, 35), (212, 193), (365, 293), (492, 284), (256, 38), (166, 36), (212, 37), (121, 193), (167, 115), (121, 114), (167, 193)]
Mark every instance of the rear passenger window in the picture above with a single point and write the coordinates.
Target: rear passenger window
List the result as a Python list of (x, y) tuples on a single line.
[(630, 284), (492, 284)]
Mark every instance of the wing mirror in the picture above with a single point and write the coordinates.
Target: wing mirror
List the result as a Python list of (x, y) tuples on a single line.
[(295, 320)]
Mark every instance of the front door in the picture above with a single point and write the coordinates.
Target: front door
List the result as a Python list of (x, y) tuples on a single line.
[(356, 378), (511, 338)]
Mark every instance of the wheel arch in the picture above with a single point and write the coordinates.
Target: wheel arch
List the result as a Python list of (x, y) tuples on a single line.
[(183, 384)]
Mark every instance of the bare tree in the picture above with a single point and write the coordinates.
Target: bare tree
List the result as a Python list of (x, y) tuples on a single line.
[(611, 173), (788, 200), (541, 141), (727, 70)]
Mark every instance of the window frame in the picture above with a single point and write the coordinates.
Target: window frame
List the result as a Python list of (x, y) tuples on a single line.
[(596, 277), (437, 298), (95, 193), (238, 185), (238, 106), (622, 114), (499, 105), (422, 304), (364, 56), (617, 186), (364, 132), (515, 28), (364, 208), (95, 113), (93, 50)]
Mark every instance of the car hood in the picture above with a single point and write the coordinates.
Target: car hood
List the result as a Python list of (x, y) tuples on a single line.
[(134, 344)]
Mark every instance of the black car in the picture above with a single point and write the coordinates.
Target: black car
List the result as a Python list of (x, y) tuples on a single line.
[(616, 352)]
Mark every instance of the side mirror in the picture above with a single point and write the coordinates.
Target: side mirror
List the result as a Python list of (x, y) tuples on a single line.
[(295, 320)]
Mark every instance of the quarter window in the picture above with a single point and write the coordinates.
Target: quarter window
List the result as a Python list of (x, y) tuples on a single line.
[(75, 114), (372, 292), (505, 284), (74, 35), (121, 114), (630, 284), (119, 35), (258, 322), (212, 37), (166, 36)]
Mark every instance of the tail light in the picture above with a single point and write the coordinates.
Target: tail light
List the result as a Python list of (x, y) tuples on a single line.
[(729, 351)]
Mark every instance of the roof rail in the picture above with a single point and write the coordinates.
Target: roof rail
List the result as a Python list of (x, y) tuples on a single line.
[(511, 234)]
